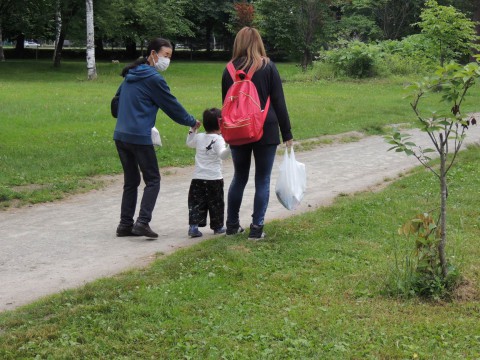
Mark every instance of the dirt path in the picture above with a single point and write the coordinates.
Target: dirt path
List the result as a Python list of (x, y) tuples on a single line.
[(50, 247)]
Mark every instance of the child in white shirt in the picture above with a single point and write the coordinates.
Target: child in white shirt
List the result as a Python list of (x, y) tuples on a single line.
[(206, 189)]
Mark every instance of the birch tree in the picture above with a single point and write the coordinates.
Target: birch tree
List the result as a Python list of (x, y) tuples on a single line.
[(58, 26), (68, 11), (91, 68)]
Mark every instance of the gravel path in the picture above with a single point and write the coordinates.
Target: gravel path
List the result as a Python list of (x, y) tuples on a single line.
[(51, 247)]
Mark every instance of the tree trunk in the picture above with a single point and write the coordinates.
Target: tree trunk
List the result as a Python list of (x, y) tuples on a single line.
[(476, 18), (58, 28), (20, 46), (59, 46), (131, 49), (306, 59), (443, 208), (442, 57), (208, 38), (2, 55), (99, 49), (91, 69)]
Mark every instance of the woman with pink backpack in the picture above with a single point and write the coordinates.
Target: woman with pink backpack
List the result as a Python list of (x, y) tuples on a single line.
[(249, 56)]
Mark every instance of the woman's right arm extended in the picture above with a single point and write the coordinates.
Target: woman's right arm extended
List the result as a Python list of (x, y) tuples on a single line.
[(169, 104)]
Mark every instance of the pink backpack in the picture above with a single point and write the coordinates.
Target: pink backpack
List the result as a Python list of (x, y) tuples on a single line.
[(242, 116)]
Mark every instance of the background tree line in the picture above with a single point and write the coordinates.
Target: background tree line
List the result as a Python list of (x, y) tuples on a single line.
[(294, 29)]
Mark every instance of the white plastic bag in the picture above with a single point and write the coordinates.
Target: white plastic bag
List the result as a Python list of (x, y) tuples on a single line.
[(156, 139), (291, 182)]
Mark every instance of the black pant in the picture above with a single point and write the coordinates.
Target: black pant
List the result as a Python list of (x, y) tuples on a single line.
[(134, 157), (206, 196)]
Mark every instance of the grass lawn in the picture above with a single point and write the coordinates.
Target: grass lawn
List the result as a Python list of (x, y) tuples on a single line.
[(56, 129), (315, 289)]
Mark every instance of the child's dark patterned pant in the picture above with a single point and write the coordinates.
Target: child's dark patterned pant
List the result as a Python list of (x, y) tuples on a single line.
[(206, 196)]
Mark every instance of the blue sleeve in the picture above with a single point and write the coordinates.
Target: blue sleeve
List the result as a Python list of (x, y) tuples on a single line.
[(169, 104)]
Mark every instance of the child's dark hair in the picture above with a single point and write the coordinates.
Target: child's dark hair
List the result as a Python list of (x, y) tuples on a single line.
[(155, 45), (210, 119)]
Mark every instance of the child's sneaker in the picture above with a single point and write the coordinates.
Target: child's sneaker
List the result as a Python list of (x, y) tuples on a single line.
[(234, 229), (256, 232), (194, 232), (219, 231)]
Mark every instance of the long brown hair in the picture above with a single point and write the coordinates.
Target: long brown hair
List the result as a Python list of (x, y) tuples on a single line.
[(249, 47)]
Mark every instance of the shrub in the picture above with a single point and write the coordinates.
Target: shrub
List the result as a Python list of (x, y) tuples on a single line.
[(408, 56), (356, 59), (411, 55)]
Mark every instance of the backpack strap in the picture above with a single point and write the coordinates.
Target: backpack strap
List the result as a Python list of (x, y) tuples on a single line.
[(233, 72), (231, 69), (250, 73), (267, 105)]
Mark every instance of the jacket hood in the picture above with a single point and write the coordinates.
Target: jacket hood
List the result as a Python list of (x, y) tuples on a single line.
[(140, 72)]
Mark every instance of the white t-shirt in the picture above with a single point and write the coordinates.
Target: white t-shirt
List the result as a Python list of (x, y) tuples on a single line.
[(210, 151)]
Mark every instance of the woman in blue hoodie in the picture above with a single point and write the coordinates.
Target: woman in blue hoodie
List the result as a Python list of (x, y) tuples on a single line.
[(142, 93)]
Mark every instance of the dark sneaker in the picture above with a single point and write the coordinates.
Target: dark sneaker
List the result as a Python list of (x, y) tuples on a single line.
[(219, 231), (194, 232), (256, 232), (141, 229), (234, 229), (125, 230)]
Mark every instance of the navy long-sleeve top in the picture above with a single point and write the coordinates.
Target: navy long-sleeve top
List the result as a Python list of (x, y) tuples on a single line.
[(142, 93), (268, 83)]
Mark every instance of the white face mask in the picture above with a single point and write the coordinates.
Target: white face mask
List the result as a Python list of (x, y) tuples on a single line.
[(162, 63)]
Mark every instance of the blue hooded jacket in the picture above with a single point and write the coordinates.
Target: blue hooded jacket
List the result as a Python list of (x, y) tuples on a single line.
[(142, 93)]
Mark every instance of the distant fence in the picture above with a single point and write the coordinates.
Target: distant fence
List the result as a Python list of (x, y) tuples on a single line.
[(120, 54), (109, 54)]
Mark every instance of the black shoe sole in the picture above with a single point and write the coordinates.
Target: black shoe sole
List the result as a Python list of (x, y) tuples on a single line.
[(141, 232), (125, 234), (237, 231)]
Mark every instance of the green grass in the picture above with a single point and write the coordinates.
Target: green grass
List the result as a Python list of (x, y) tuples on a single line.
[(315, 289), (56, 129)]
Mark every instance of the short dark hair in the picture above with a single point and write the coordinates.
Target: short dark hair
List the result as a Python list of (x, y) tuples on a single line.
[(210, 119)]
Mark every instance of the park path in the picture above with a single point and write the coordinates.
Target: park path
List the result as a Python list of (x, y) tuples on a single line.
[(50, 247)]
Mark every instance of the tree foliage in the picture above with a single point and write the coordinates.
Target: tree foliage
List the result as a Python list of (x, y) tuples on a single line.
[(298, 28), (451, 33), (389, 19)]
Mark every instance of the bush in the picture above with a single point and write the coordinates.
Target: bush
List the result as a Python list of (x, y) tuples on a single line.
[(398, 64), (357, 59), (390, 57), (408, 56)]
